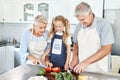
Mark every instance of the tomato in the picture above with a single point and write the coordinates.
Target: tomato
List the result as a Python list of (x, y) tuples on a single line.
[(56, 69), (48, 69)]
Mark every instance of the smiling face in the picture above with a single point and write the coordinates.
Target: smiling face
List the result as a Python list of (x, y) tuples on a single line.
[(40, 29), (58, 26)]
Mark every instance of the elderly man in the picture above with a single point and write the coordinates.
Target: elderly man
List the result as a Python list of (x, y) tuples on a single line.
[(93, 41)]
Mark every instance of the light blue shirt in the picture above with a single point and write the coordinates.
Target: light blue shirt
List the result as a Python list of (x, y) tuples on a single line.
[(24, 44), (104, 30)]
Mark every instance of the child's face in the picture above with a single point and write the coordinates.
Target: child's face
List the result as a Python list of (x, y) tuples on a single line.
[(59, 26)]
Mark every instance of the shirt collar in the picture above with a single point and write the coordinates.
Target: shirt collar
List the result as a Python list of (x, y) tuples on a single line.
[(59, 33), (92, 25)]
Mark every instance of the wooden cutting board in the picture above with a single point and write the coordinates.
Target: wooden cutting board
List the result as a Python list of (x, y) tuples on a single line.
[(52, 76)]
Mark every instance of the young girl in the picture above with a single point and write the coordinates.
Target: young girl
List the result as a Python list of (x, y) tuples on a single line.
[(60, 49)]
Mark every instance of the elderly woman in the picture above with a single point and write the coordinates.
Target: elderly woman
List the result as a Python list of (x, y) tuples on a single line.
[(33, 43)]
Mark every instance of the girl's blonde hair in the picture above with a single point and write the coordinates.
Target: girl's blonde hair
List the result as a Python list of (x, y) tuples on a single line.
[(66, 32)]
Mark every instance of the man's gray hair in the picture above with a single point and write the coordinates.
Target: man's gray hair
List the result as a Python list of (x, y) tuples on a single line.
[(39, 19), (82, 7)]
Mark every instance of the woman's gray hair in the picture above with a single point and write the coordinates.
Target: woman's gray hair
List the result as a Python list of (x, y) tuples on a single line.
[(39, 19), (82, 7)]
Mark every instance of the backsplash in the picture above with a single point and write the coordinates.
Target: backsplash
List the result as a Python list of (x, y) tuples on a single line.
[(9, 31)]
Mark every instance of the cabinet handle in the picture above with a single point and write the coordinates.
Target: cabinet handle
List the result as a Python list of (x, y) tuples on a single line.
[(20, 19), (3, 19)]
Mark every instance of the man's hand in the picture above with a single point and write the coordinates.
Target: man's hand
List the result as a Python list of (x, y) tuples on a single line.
[(80, 67), (66, 67), (74, 62)]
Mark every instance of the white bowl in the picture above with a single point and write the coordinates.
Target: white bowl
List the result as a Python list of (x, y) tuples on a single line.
[(37, 78)]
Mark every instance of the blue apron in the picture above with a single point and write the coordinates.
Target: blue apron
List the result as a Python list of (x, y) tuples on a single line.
[(58, 59)]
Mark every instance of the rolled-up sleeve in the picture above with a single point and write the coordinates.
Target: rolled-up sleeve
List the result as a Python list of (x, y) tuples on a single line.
[(107, 36)]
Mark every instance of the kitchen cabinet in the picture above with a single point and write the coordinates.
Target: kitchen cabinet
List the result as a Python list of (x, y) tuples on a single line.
[(14, 11), (2, 59), (58, 7), (29, 10), (43, 8), (17, 11), (1, 10), (7, 12), (48, 8), (33, 8), (9, 51), (11, 12), (6, 58), (96, 5)]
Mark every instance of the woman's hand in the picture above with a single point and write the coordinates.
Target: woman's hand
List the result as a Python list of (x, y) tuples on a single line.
[(42, 59), (33, 59)]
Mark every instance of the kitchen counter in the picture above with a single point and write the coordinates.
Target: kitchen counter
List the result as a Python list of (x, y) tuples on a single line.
[(5, 43), (23, 72)]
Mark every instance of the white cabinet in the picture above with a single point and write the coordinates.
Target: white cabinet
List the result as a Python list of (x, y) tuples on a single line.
[(33, 8), (7, 12), (1, 11), (49, 8), (58, 7), (11, 11), (29, 11), (96, 5), (2, 59), (17, 9), (6, 58), (25, 10), (9, 57), (43, 8)]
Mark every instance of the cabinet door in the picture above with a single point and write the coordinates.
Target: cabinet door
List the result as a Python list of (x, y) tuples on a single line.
[(1, 13), (1, 10), (7, 12), (57, 7), (9, 50), (2, 59), (96, 5), (42, 8), (29, 11), (17, 11)]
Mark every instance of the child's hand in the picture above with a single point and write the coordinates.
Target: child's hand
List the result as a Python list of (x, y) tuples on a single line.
[(66, 67), (48, 64)]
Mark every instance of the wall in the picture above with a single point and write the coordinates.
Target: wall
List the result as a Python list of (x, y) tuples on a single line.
[(112, 14), (1, 31), (112, 4), (9, 31), (15, 30)]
